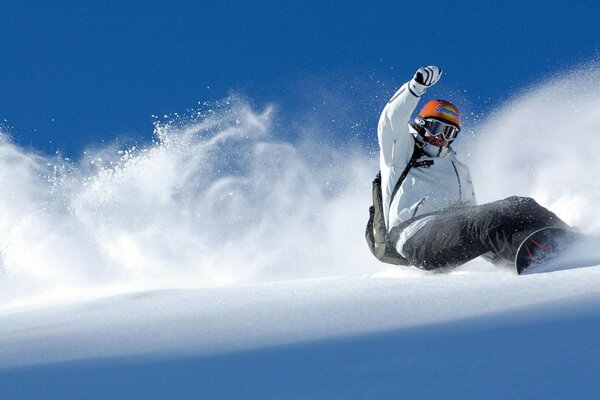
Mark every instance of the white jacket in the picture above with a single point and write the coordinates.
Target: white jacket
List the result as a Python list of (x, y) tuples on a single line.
[(447, 183)]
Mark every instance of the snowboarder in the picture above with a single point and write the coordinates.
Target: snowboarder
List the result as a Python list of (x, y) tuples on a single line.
[(427, 197)]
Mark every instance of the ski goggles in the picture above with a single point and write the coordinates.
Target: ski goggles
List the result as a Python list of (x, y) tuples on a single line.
[(435, 127)]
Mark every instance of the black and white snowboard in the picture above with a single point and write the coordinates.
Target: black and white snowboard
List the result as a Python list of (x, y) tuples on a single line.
[(543, 246)]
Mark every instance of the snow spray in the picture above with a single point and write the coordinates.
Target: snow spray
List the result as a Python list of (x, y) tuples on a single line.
[(215, 199), (544, 144), (220, 197)]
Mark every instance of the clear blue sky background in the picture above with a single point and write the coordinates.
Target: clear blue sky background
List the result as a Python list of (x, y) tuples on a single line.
[(75, 73)]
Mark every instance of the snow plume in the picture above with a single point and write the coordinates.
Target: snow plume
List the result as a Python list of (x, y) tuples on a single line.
[(544, 144), (216, 199), (220, 197)]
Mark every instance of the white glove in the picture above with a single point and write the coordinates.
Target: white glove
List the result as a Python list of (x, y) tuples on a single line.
[(424, 78)]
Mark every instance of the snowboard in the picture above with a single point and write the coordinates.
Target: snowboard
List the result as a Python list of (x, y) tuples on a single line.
[(543, 246)]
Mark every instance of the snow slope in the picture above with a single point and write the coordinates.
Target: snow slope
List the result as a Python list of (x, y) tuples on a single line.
[(481, 334), (168, 271)]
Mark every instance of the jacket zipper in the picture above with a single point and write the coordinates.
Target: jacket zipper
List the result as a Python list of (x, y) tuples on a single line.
[(417, 207), (459, 185)]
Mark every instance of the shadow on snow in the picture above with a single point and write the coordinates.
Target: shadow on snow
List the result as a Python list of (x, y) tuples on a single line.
[(543, 352)]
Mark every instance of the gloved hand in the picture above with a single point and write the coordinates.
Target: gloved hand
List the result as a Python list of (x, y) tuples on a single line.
[(424, 78)]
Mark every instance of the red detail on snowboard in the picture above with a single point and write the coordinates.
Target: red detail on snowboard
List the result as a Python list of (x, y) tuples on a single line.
[(542, 246)]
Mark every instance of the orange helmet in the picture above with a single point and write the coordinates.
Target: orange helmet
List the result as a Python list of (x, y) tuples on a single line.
[(442, 110)]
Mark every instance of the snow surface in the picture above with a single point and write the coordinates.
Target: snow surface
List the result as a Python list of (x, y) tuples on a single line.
[(168, 271)]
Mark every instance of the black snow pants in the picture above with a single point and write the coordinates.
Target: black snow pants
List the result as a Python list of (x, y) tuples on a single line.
[(456, 236)]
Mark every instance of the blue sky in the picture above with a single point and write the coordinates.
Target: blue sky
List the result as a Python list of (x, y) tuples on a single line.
[(79, 73)]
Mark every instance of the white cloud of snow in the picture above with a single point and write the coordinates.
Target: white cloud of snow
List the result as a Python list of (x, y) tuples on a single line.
[(219, 198)]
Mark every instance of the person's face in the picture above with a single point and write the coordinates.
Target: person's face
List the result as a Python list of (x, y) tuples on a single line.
[(438, 141)]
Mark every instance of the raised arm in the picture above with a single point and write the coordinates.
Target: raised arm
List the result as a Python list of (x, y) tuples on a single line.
[(395, 141)]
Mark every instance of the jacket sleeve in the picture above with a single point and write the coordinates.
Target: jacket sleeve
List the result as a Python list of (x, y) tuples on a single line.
[(395, 140)]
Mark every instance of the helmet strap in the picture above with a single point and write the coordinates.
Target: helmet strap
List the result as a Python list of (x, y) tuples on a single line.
[(420, 130)]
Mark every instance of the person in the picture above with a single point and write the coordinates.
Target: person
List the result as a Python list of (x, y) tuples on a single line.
[(429, 205)]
